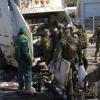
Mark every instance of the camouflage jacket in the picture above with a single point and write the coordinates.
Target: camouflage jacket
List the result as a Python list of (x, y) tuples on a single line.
[(94, 76), (97, 36), (64, 50)]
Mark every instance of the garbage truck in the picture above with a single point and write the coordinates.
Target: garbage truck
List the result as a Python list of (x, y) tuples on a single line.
[(11, 20), (30, 14)]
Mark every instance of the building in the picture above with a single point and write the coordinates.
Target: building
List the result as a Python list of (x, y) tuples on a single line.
[(89, 8), (89, 11)]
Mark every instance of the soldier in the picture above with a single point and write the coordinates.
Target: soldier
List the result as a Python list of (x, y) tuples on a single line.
[(83, 45), (94, 77), (54, 36), (47, 45), (97, 37), (64, 50), (67, 35), (24, 62)]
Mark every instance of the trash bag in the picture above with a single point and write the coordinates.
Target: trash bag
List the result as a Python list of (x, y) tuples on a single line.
[(81, 75), (60, 70)]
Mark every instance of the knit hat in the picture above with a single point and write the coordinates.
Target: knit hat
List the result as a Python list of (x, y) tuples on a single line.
[(22, 30)]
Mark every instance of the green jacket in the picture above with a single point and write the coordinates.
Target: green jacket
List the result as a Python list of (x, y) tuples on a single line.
[(22, 49)]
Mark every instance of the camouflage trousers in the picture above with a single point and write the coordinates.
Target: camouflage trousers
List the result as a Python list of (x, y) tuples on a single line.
[(72, 81), (97, 49)]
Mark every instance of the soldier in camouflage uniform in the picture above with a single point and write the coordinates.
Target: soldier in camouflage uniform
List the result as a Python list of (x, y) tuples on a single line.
[(48, 42), (93, 76), (24, 62), (97, 39), (82, 37), (82, 46), (63, 50), (47, 45)]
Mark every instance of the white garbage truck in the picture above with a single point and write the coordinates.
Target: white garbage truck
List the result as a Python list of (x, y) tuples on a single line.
[(11, 20), (30, 14)]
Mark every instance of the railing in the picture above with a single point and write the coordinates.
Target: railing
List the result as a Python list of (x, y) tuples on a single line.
[(89, 23)]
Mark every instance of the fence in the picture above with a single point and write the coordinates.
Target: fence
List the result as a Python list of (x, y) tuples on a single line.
[(89, 23)]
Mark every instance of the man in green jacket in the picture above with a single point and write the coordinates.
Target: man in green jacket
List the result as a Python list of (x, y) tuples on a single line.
[(24, 62)]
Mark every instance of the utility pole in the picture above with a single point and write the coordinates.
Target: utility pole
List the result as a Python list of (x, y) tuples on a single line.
[(93, 24)]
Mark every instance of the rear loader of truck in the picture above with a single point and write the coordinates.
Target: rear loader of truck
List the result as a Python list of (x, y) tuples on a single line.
[(11, 20), (30, 14), (40, 15)]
